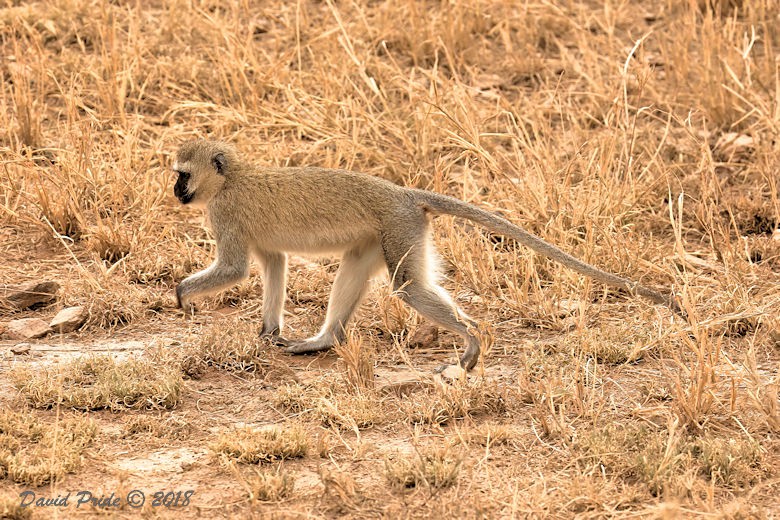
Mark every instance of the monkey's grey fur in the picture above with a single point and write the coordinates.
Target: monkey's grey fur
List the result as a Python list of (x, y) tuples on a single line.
[(269, 212)]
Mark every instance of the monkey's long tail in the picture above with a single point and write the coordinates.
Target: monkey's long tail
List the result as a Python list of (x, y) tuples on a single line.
[(437, 203)]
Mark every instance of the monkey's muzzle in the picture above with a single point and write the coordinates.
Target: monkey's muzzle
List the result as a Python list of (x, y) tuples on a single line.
[(180, 188)]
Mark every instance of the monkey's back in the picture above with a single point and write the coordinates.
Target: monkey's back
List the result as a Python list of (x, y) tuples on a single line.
[(308, 210)]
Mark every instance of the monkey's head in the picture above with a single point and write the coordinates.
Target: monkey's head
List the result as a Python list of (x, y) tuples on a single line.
[(202, 167)]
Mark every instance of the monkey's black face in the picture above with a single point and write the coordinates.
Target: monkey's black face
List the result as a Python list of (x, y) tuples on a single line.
[(180, 188)]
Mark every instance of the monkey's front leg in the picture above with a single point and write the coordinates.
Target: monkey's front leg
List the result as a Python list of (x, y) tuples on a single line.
[(274, 293), (219, 275)]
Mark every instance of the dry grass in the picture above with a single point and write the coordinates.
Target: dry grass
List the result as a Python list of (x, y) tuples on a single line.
[(665, 459), (487, 434), (234, 346), (98, 382), (253, 446), (734, 462), (641, 137), (34, 452), (462, 399), (342, 490), (10, 509), (435, 468), (358, 360), (271, 486), (336, 405), (159, 428), (614, 344)]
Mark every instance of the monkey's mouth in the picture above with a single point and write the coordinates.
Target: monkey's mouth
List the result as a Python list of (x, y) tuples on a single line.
[(185, 199), (180, 188)]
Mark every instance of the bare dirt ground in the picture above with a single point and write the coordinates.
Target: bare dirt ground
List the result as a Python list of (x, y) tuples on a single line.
[(643, 137)]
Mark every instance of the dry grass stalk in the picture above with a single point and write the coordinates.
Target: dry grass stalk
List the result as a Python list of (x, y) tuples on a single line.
[(358, 361)]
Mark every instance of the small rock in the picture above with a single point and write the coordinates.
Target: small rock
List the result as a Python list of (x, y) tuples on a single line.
[(403, 382), (424, 337), (32, 294), (733, 146), (27, 328), (20, 349), (451, 373), (69, 319), (567, 307)]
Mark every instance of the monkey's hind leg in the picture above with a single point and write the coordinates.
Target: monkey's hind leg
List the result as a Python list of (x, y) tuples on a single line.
[(433, 302), (414, 277), (357, 266)]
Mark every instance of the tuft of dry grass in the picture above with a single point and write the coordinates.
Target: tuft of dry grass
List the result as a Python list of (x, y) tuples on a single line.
[(664, 459), (332, 404), (168, 428), (654, 457), (435, 468), (733, 462), (11, 509), (349, 412), (294, 398), (232, 345), (253, 446), (271, 486), (110, 301), (342, 489), (613, 344), (486, 434), (98, 382), (34, 452), (457, 401)]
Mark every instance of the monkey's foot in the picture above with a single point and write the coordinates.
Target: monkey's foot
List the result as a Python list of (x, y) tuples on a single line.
[(306, 346)]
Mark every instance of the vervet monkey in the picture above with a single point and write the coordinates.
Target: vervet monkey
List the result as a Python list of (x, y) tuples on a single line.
[(373, 223)]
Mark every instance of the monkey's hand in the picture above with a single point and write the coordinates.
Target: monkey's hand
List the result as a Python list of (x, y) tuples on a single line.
[(273, 337), (270, 331)]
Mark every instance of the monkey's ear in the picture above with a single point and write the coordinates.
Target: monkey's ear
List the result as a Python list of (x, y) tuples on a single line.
[(219, 162)]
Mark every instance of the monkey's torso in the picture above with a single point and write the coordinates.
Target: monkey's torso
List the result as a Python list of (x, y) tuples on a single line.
[(299, 217)]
